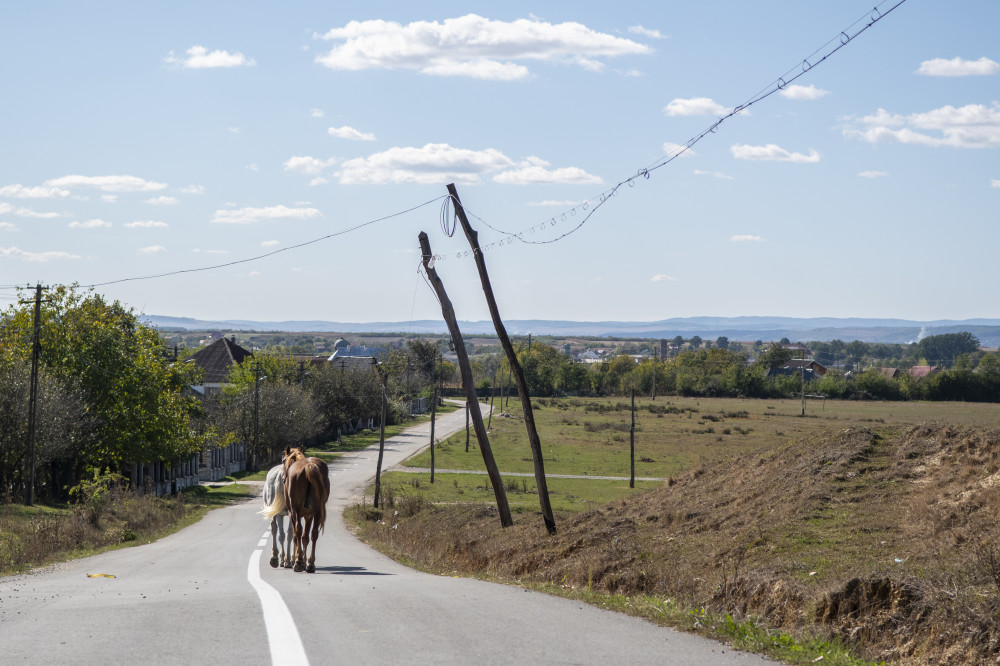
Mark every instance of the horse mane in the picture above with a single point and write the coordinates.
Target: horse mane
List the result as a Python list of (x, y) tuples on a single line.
[(291, 455)]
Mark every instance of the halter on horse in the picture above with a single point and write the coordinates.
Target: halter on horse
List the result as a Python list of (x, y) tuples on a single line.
[(307, 488), (274, 508)]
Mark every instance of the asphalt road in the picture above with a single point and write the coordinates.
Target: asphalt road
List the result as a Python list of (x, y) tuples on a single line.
[(207, 595)]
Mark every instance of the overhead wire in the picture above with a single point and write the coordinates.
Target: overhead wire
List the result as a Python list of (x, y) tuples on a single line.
[(267, 254), (592, 205)]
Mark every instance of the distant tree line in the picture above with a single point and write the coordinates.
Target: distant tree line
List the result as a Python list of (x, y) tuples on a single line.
[(963, 371)]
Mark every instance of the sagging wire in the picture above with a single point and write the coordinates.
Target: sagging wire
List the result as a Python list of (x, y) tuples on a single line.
[(268, 254), (591, 206)]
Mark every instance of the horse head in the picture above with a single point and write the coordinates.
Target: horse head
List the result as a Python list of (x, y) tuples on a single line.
[(290, 456)]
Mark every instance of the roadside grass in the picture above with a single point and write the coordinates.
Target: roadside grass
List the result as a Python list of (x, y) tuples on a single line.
[(569, 495), (674, 434), (38, 535), (865, 531)]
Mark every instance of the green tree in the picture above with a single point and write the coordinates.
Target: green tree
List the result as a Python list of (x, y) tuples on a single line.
[(722, 342), (131, 388), (946, 348)]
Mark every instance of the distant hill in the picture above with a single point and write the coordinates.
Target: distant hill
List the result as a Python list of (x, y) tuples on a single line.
[(734, 328)]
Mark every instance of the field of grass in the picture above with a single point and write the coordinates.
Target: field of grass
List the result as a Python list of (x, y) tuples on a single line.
[(590, 436), (861, 533)]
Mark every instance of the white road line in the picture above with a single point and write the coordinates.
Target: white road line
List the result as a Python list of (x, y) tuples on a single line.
[(262, 542), (282, 635)]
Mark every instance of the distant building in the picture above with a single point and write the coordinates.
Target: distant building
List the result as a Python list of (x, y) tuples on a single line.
[(798, 350), (889, 373), (810, 368), (216, 360), (921, 371)]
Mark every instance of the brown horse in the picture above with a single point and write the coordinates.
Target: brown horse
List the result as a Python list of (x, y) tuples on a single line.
[(307, 488)]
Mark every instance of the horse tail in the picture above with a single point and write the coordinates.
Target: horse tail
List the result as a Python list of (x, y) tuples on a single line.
[(316, 485), (277, 505)]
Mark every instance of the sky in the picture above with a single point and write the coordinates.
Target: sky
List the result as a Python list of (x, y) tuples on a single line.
[(277, 161)]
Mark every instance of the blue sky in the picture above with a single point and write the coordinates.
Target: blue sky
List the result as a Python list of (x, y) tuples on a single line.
[(142, 139)]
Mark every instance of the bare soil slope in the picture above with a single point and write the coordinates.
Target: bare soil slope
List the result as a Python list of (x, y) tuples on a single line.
[(886, 538)]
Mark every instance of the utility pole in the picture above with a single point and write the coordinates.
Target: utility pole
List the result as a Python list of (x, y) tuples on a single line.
[(381, 435), (256, 415), (434, 402), (515, 367), (631, 445), (36, 347), (448, 312), (802, 376)]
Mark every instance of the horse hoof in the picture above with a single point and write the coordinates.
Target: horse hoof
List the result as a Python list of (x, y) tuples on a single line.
[(311, 568), (298, 567), (287, 565), (274, 562)]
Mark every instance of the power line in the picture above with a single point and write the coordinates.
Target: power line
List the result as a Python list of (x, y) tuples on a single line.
[(267, 254), (591, 206)]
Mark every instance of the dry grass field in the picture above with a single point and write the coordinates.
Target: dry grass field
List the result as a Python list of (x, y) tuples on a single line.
[(864, 531)]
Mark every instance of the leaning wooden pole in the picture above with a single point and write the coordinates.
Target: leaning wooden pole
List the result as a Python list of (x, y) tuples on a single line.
[(381, 435), (515, 366), (467, 383)]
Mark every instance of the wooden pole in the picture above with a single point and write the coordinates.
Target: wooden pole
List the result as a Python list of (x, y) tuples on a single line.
[(448, 311), (36, 346), (631, 445), (466, 426), (434, 403), (515, 367), (381, 435)]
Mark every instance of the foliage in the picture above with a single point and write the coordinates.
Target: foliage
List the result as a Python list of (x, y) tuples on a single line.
[(115, 368)]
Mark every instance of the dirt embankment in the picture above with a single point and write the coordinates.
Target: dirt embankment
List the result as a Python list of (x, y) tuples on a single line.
[(887, 539)]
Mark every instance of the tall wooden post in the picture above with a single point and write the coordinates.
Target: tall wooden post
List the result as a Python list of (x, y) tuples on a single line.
[(36, 347), (515, 366), (466, 426), (631, 446), (434, 404), (381, 435), (448, 311)]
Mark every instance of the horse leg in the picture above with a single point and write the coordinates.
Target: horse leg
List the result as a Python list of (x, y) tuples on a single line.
[(299, 558), (280, 519), (274, 541), (311, 567), (286, 542)]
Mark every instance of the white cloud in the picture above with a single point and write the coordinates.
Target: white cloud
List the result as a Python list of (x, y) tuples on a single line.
[(233, 130), (90, 224), (873, 174), (662, 277), (970, 126), (670, 148), (198, 57), (434, 163), (471, 46), (146, 224), (109, 198), (713, 174), (346, 132), (318, 180), (995, 183), (37, 257), (27, 212), (746, 238), (316, 113), (309, 166), (162, 201), (253, 166), (807, 93), (696, 106), (107, 183), (21, 192), (8, 226), (772, 153), (958, 67), (252, 215), (270, 243), (646, 32), (192, 189), (152, 249), (533, 172)]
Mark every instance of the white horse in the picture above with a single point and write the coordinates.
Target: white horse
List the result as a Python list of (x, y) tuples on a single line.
[(275, 510)]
